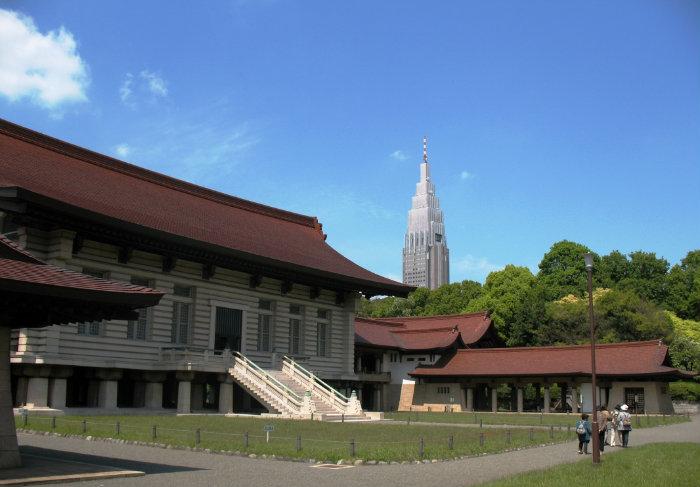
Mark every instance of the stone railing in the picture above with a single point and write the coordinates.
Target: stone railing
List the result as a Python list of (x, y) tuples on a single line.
[(265, 386), (320, 389)]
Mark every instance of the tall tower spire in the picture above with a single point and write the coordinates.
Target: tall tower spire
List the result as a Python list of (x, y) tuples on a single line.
[(426, 258)]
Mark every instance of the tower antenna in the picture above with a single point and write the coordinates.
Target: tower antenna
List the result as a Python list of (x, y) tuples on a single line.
[(425, 149)]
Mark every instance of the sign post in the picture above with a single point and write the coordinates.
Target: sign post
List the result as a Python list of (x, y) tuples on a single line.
[(267, 428)]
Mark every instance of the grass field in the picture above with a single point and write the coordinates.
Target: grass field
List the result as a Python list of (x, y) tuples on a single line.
[(318, 440), (667, 464), (527, 419)]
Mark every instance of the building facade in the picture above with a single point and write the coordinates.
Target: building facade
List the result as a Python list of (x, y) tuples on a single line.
[(426, 258), (387, 350), (244, 285)]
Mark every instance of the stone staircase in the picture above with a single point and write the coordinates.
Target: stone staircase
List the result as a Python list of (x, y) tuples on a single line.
[(295, 392)]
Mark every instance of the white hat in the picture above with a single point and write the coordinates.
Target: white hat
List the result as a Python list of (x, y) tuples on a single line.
[(624, 407)]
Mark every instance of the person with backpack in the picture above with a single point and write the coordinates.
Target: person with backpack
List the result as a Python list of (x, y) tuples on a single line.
[(583, 430), (603, 419), (624, 424)]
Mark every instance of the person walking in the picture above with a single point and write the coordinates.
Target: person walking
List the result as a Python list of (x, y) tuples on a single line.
[(583, 430), (603, 419), (624, 424), (614, 436)]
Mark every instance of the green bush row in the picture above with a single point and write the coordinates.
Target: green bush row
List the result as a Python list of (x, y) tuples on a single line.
[(685, 391)]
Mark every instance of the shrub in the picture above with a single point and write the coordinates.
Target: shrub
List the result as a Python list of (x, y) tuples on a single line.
[(685, 391)]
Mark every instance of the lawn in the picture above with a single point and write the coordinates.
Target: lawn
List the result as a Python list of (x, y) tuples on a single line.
[(525, 419), (667, 464), (302, 439)]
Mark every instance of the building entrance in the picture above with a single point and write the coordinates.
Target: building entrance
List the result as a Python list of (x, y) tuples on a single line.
[(229, 329)]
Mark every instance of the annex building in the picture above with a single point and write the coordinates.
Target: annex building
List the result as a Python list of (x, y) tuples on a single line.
[(458, 363), (256, 310)]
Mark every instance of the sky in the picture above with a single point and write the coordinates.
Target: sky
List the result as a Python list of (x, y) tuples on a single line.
[(546, 120)]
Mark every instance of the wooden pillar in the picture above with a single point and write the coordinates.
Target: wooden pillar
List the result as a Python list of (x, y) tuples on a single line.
[(494, 398), (470, 398), (547, 399), (520, 398)]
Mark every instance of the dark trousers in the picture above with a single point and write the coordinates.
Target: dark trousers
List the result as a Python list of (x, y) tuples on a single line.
[(582, 444), (625, 437), (601, 440)]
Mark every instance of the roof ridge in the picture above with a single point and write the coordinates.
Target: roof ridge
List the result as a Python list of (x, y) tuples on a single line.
[(424, 330), (563, 347), (92, 157), (439, 317)]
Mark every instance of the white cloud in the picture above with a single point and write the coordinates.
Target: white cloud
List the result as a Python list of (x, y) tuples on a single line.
[(147, 86), (156, 84), (476, 267), (464, 175), (44, 68), (125, 90), (398, 155), (122, 150)]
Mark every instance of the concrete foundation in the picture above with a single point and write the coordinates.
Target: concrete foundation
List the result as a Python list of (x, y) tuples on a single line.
[(9, 451)]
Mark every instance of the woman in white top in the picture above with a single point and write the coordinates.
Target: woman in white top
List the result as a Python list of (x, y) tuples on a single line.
[(613, 435), (624, 424)]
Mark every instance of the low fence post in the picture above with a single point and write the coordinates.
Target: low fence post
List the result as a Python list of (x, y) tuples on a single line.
[(481, 439), (298, 442), (568, 431), (197, 438), (531, 434), (246, 440), (342, 417), (451, 442), (481, 423), (508, 437), (551, 431), (154, 432), (117, 428), (352, 447), (53, 423), (25, 418), (84, 426), (421, 447)]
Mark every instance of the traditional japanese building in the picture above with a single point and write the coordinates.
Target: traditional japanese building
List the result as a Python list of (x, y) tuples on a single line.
[(635, 373), (248, 290), (387, 350), (426, 258)]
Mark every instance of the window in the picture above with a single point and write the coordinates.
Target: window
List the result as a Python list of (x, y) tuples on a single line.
[(294, 309), (136, 329), (182, 314), (264, 325), (394, 357), (91, 328), (322, 332), (294, 335), (443, 390), (634, 398)]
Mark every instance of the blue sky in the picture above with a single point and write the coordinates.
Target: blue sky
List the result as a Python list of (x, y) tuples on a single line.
[(547, 120)]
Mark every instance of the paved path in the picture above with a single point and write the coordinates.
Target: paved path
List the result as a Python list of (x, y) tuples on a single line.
[(170, 468)]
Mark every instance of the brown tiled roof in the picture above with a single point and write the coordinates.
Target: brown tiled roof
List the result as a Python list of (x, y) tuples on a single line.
[(422, 333), (85, 180), (612, 359)]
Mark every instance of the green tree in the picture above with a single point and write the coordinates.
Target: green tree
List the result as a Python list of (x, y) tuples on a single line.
[(684, 353), (646, 276), (613, 268), (505, 295), (683, 287), (451, 298), (563, 271)]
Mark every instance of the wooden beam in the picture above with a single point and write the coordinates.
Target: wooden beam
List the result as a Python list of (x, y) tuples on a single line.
[(255, 280), (124, 255), (208, 271), (314, 292), (169, 263), (286, 287), (78, 242)]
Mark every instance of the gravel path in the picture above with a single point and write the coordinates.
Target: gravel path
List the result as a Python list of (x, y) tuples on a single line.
[(169, 468)]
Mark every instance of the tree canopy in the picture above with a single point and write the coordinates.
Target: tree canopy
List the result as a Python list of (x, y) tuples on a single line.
[(637, 296)]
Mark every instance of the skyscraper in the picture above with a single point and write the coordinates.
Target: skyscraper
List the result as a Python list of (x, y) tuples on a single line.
[(426, 258)]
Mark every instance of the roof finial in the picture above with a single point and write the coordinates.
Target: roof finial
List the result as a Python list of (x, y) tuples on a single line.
[(425, 149)]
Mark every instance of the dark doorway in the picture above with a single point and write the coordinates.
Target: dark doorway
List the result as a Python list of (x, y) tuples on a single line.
[(229, 329)]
